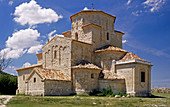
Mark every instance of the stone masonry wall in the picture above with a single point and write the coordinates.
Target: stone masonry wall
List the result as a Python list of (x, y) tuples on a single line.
[(22, 76), (127, 72), (117, 85), (143, 88), (83, 82), (57, 55), (58, 87), (104, 59), (107, 26), (35, 88), (80, 51), (39, 59)]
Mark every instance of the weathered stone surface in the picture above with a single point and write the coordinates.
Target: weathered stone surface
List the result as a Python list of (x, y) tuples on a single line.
[(160, 90), (57, 88), (117, 85), (117, 96), (128, 96), (85, 80)]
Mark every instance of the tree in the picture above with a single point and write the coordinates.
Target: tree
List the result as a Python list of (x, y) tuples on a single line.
[(4, 61)]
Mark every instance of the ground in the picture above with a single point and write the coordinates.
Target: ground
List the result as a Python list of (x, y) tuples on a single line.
[(4, 99), (158, 100)]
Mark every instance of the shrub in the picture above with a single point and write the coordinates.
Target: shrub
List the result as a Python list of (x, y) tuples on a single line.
[(94, 92), (106, 92)]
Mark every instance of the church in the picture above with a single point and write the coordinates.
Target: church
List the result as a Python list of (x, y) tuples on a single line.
[(87, 57)]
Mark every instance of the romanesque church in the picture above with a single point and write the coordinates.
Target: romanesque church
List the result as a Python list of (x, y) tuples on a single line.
[(88, 57)]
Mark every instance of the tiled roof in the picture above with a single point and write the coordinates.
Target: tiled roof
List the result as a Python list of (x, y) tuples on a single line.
[(110, 48), (86, 64), (130, 56), (53, 74)]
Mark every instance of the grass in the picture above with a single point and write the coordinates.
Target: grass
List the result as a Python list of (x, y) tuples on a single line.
[(158, 99)]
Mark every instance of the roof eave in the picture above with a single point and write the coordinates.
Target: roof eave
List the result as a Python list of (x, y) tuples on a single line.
[(133, 61), (86, 68), (92, 11), (28, 67), (97, 51)]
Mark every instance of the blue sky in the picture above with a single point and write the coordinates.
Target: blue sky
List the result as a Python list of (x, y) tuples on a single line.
[(26, 25)]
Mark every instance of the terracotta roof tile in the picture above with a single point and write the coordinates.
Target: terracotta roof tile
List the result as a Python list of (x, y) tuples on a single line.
[(86, 64), (53, 74), (110, 48), (130, 56)]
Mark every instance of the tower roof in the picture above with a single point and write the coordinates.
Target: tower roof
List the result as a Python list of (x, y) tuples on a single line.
[(130, 56), (86, 64), (92, 11), (110, 48)]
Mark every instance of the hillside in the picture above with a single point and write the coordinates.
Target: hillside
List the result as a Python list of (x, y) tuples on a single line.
[(3, 73), (8, 83)]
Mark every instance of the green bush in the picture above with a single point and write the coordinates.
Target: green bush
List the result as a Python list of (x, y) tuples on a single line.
[(94, 92), (8, 84), (106, 92)]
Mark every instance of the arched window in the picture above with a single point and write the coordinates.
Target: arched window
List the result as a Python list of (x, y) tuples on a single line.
[(92, 75), (107, 35), (142, 76), (55, 54), (76, 36), (34, 80)]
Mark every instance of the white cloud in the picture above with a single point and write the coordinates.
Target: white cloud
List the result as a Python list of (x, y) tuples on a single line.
[(13, 53), (129, 1), (85, 8), (50, 34), (4, 52), (154, 4), (10, 3), (23, 39), (27, 64), (11, 70), (124, 41), (34, 49), (135, 13), (31, 13)]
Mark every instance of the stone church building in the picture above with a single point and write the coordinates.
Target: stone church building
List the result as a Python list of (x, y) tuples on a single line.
[(89, 56)]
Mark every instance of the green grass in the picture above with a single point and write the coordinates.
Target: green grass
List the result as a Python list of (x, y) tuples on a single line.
[(158, 99)]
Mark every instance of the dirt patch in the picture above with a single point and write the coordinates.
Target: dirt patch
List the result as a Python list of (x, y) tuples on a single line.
[(4, 99)]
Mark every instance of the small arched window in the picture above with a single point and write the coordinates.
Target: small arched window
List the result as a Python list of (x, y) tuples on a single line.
[(142, 76), (107, 35), (34, 80), (76, 36), (55, 54), (92, 75)]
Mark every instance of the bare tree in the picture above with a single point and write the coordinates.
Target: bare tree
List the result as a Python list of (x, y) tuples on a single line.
[(4, 61)]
